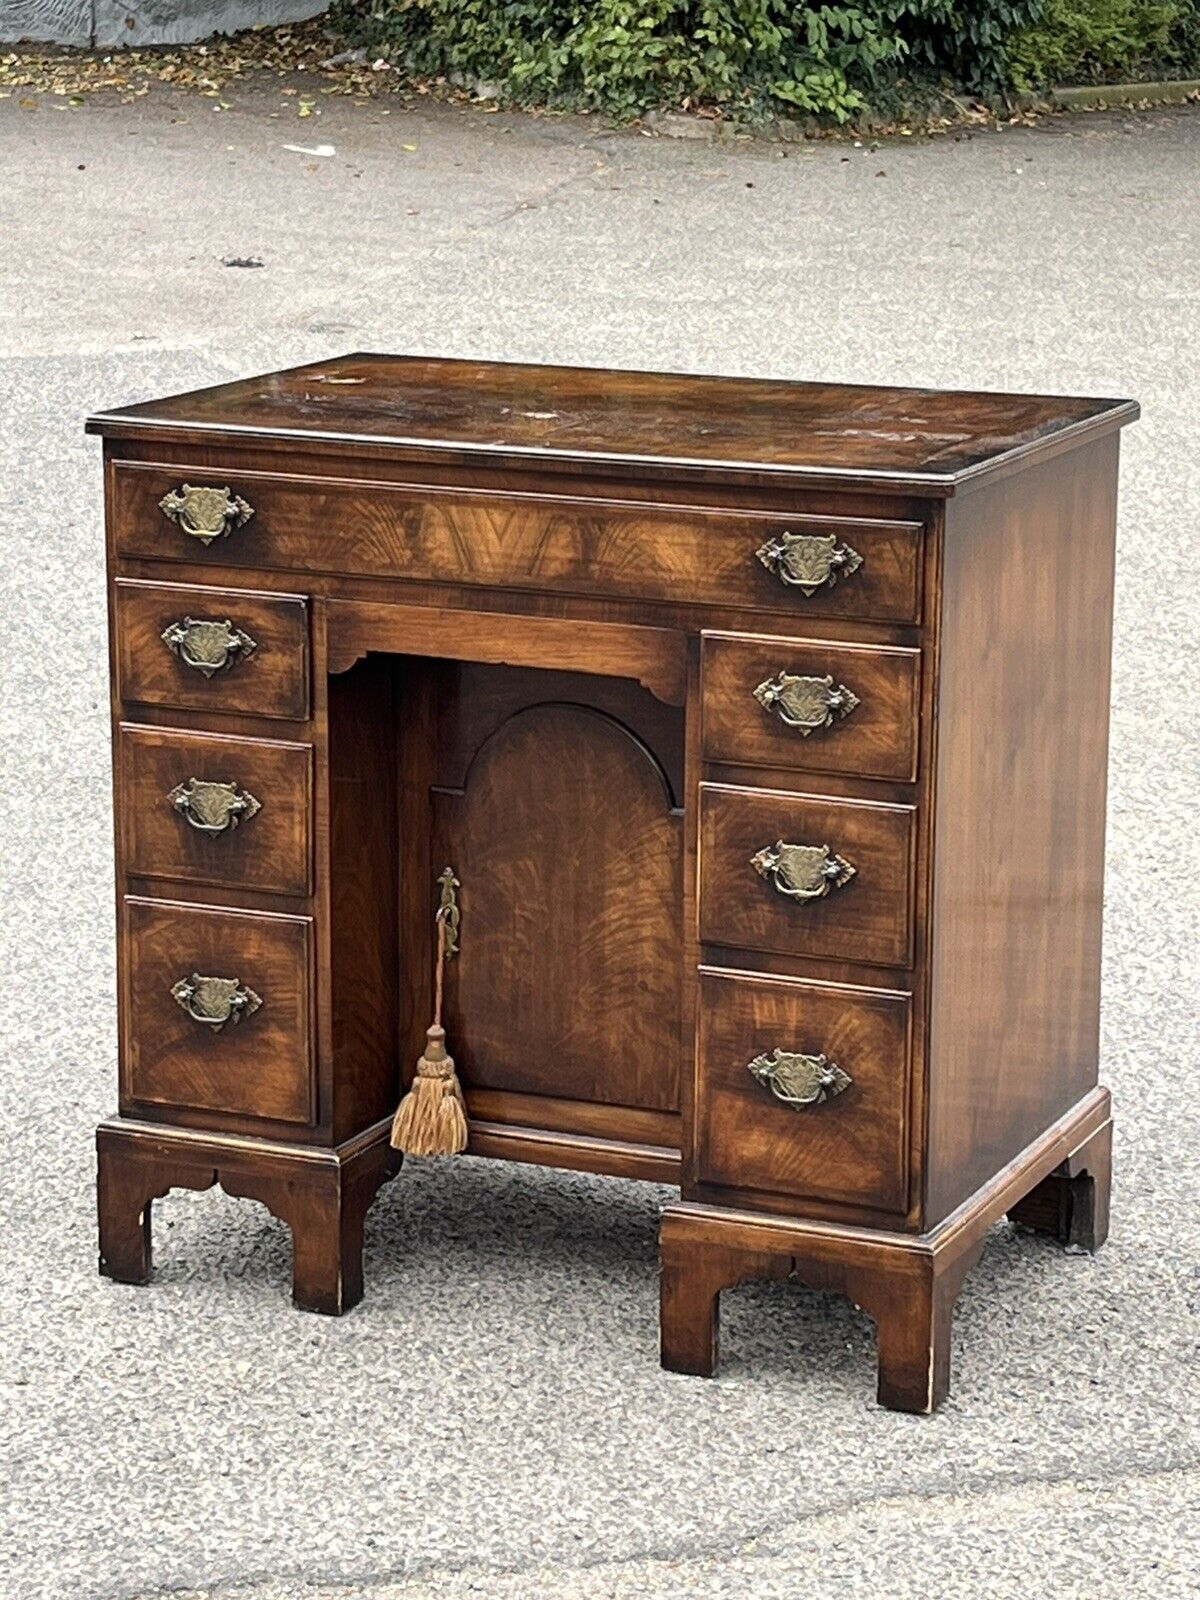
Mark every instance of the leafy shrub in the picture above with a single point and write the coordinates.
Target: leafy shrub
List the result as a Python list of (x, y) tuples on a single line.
[(1185, 40), (751, 57), (622, 56), (1078, 41), (970, 43)]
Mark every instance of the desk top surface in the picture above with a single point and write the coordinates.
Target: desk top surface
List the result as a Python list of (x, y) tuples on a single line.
[(916, 440)]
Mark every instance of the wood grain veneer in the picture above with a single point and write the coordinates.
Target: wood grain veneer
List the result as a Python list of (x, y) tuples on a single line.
[(869, 919), (512, 620), (876, 739), (270, 849), (561, 544), (269, 681)]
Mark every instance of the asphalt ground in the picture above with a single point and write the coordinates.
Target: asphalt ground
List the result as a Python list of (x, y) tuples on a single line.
[(492, 1419)]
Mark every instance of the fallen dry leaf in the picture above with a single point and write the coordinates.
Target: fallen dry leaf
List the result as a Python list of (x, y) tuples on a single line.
[(205, 68), (308, 51)]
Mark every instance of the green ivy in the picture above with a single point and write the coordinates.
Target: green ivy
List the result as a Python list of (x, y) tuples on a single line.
[(623, 56), (970, 43), (1079, 41), (745, 57)]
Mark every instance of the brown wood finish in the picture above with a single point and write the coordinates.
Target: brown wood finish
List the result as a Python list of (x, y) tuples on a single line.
[(560, 544), (1025, 634), (364, 843), (578, 1152), (853, 1147), (878, 739), (1071, 1204), (569, 856), (261, 1065), (868, 919), (531, 625), (691, 1277), (270, 849), (322, 1195), (588, 478), (907, 1284), (474, 701), (640, 423), (271, 682), (652, 656), (552, 1114), (417, 707)]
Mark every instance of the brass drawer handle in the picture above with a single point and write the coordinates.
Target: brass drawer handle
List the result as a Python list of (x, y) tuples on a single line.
[(212, 807), (805, 704), (799, 1080), (808, 561), (802, 871), (207, 646), (214, 1001), (205, 513)]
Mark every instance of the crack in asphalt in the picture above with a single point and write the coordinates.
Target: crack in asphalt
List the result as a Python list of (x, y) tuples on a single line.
[(768, 1545)]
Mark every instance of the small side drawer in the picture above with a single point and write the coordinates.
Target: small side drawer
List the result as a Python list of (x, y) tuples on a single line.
[(208, 808), (810, 704), (794, 565), (805, 876), (217, 1010), (223, 650), (776, 1118)]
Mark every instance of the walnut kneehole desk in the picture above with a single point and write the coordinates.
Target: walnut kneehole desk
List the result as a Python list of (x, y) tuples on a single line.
[(763, 728)]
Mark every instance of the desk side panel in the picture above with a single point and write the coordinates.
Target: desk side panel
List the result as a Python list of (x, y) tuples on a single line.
[(362, 987), (1022, 746)]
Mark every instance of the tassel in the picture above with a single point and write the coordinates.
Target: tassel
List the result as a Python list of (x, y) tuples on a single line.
[(431, 1120)]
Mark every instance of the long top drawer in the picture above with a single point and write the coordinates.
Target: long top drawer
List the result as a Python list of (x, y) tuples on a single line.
[(789, 565)]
